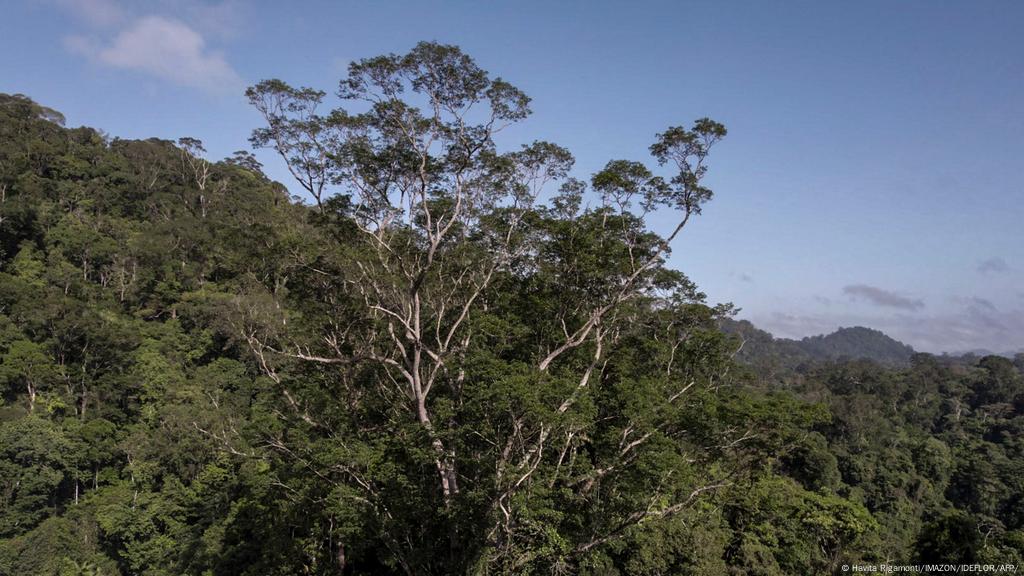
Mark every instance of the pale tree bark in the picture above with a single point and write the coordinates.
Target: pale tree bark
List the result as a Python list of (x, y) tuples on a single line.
[(425, 187), (424, 279)]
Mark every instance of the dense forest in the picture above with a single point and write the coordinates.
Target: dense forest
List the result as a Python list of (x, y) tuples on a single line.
[(453, 358)]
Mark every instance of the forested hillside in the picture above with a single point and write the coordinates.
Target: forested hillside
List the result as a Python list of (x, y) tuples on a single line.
[(456, 359), (855, 343)]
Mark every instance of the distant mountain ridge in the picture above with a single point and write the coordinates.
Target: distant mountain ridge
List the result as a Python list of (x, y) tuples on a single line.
[(762, 349), (857, 342), (982, 352)]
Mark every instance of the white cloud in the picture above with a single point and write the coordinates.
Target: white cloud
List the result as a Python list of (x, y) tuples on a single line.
[(166, 48)]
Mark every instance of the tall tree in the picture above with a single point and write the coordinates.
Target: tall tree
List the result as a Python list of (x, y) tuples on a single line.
[(439, 216)]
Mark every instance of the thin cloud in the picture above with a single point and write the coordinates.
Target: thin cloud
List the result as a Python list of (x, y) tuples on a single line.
[(978, 302), (993, 265), (223, 20), (98, 13), (165, 48), (880, 297)]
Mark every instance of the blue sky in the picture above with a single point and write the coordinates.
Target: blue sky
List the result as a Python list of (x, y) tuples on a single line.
[(873, 173)]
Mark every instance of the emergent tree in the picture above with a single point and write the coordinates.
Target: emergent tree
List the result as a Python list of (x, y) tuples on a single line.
[(545, 353)]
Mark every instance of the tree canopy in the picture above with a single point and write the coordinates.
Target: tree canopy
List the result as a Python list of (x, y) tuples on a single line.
[(451, 355)]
